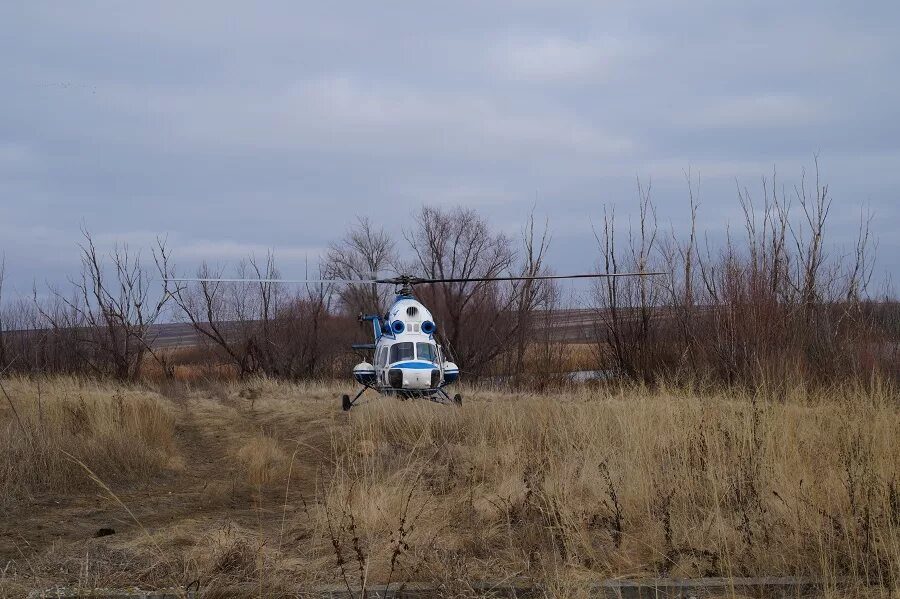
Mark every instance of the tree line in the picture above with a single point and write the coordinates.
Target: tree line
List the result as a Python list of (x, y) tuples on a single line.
[(772, 304)]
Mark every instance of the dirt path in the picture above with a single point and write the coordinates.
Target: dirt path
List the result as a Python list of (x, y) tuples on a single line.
[(204, 491)]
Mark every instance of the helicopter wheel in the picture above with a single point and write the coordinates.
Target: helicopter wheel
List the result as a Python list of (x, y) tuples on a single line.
[(345, 402), (457, 399)]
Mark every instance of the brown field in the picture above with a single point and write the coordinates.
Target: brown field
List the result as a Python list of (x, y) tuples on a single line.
[(269, 488)]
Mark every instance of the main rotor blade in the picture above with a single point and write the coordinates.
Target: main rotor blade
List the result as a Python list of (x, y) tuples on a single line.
[(212, 280), (406, 279), (543, 277)]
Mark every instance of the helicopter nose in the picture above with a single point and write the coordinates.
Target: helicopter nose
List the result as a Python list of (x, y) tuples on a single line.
[(416, 378), (412, 378)]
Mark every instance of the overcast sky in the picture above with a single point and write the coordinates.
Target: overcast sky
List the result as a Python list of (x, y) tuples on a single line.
[(235, 128)]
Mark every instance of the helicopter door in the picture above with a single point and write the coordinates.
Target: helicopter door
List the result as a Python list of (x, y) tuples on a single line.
[(380, 356)]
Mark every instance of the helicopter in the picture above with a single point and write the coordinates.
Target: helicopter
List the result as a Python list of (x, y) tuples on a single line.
[(408, 361)]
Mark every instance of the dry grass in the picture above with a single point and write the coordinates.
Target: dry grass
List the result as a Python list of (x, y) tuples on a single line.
[(263, 460), (122, 433), (269, 485), (635, 483)]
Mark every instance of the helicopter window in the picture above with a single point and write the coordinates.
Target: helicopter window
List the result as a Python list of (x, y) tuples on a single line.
[(401, 351), (426, 351), (380, 356)]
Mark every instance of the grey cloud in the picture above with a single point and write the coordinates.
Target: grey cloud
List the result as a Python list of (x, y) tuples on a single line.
[(233, 128), (554, 59)]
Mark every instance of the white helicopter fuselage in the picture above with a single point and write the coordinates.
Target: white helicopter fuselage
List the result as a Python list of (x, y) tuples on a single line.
[(407, 360)]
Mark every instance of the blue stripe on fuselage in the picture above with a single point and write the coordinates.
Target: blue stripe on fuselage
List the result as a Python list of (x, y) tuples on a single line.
[(414, 365)]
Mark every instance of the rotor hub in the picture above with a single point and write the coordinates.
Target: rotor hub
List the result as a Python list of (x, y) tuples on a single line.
[(404, 283)]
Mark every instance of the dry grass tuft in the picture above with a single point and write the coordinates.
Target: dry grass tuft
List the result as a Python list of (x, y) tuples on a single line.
[(123, 434), (263, 460)]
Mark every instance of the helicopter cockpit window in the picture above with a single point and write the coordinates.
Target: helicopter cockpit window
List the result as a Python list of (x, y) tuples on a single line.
[(402, 351), (426, 351)]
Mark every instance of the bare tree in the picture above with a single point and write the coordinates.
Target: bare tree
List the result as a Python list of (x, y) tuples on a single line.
[(532, 298), (476, 317), (626, 307), (680, 260), (809, 241), (366, 251), (261, 327), (768, 306), (109, 316), (859, 275)]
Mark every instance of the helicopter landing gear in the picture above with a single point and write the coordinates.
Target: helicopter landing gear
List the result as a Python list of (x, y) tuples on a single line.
[(347, 403), (442, 397)]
